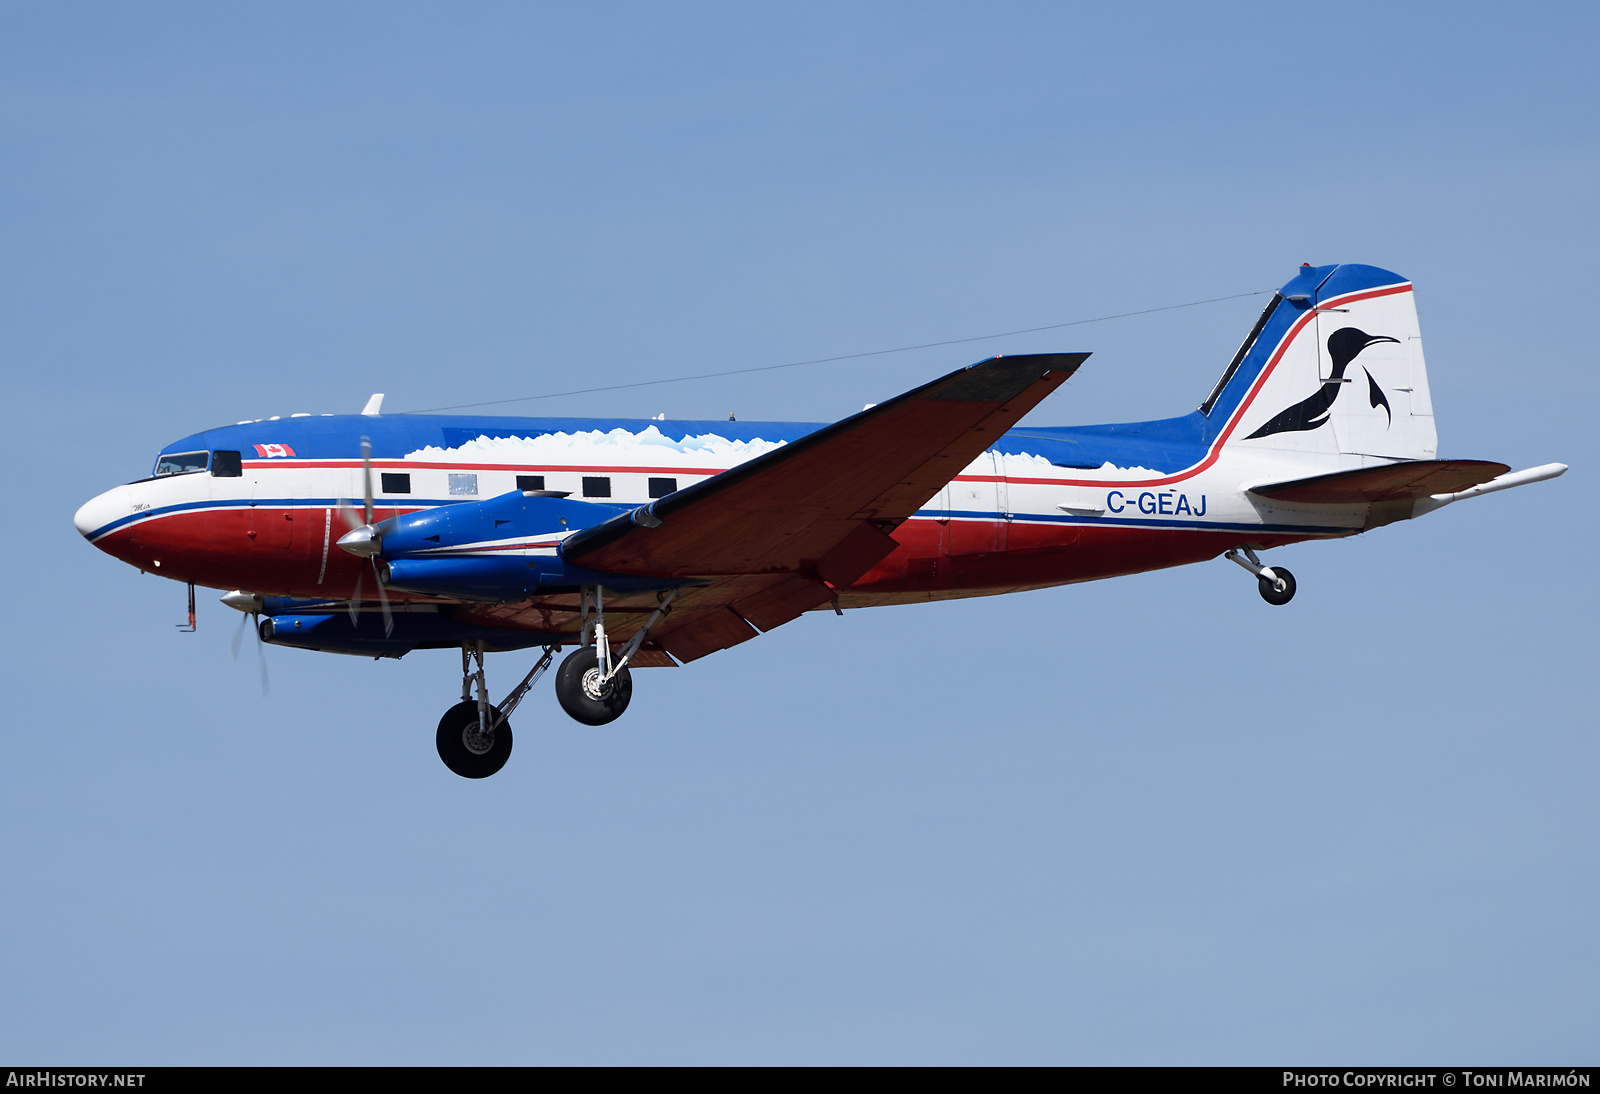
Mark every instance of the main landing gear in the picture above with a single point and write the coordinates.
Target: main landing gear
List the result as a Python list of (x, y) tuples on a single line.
[(1275, 583), (593, 685), (474, 738), (590, 691)]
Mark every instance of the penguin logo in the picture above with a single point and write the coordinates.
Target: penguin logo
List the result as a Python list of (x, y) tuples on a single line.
[(1344, 346)]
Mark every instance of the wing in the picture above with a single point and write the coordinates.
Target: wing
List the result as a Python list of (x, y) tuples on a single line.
[(826, 502), (781, 533)]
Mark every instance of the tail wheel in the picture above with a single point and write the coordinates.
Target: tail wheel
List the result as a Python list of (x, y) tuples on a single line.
[(468, 752), (1279, 591), (582, 695)]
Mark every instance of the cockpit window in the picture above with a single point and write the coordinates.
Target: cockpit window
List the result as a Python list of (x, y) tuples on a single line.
[(226, 465), (180, 463)]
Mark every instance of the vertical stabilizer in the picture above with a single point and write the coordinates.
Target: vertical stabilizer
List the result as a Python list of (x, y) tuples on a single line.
[(1334, 368)]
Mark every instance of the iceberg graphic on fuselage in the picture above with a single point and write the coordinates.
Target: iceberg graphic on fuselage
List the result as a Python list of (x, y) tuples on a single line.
[(620, 447)]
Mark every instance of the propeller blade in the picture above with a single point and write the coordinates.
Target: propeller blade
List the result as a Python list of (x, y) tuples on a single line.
[(238, 638), (350, 515), (261, 658), (355, 601), (366, 474), (383, 599)]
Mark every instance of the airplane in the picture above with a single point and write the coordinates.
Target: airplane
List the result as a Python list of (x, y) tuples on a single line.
[(654, 543)]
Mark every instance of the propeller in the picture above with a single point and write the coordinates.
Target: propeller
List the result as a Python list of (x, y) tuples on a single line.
[(363, 541), (353, 522), (261, 655), (243, 602)]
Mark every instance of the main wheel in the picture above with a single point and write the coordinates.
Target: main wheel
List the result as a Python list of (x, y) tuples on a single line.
[(464, 750), (1277, 592), (581, 694)]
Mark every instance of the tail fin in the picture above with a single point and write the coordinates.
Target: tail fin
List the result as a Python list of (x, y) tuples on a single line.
[(1333, 367)]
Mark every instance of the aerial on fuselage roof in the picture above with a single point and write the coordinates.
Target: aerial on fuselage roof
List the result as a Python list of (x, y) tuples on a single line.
[(653, 543)]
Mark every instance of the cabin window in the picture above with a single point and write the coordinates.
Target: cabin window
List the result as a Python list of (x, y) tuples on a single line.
[(597, 486), (396, 483), (463, 484), (181, 463), (530, 482), (226, 465), (660, 488)]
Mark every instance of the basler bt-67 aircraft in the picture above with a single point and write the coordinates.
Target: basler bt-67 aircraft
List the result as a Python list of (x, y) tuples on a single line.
[(653, 543)]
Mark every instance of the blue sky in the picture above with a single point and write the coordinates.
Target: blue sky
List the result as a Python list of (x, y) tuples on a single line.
[(1149, 820)]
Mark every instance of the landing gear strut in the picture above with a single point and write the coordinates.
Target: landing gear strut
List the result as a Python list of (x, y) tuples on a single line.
[(593, 684), (474, 738), (1275, 583)]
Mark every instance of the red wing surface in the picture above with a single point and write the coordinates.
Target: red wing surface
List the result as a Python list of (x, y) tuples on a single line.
[(1391, 482), (775, 536)]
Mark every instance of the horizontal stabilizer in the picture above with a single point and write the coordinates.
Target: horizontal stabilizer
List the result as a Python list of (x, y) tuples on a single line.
[(1390, 482), (1503, 482)]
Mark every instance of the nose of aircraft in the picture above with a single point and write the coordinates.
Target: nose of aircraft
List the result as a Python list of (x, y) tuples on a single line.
[(96, 513)]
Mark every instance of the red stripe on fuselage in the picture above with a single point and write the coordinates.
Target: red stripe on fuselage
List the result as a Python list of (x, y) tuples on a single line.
[(414, 465)]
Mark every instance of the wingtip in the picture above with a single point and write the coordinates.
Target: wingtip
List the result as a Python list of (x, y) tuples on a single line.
[(1001, 379)]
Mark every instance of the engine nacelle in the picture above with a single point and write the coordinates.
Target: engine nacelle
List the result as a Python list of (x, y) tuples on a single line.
[(334, 632), (492, 523), (500, 550)]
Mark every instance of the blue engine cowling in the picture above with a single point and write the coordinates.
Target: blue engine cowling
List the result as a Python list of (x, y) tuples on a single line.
[(366, 636), (484, 551)]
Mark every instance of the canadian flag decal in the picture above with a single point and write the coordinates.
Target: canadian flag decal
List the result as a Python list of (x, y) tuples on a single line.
[(274, 451)]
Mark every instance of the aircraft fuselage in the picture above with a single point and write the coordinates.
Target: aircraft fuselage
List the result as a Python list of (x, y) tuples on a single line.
[(1026, 514)]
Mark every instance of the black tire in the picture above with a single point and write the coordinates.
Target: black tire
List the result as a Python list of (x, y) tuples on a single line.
[(1269, 590), (583, 703), (452, 740)]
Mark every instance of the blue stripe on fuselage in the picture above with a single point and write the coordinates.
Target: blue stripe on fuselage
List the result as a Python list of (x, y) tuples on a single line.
[(261, 503), (1133, 522)]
